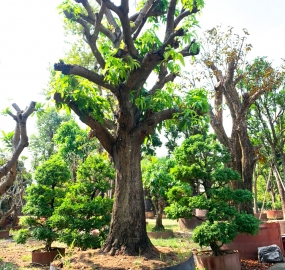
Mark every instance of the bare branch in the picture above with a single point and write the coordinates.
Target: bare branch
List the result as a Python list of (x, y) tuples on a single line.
[(161, 81), (142, 17)]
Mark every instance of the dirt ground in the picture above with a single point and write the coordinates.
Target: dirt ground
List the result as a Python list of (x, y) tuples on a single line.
[(19, 257), (14, 256)]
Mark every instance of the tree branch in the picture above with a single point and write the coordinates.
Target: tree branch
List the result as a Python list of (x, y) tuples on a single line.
[(85, 73), (98, 130), (183, 14), (170, 19)]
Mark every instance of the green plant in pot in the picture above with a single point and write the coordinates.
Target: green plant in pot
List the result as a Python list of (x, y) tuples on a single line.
[(157, 180), (43, 196), (83, 218), (224, 220), (201, 161)]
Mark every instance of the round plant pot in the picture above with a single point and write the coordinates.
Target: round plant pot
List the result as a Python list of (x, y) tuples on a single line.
[(230, 260), (4, 234), (163, 234), (149, 214), (190, 224), (46, 257), (274, 214), (247, 245), (201, 213), (261, 216), (187, 265)]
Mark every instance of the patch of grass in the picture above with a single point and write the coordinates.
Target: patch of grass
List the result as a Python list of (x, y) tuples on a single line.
[(26, 258), (168, 224)]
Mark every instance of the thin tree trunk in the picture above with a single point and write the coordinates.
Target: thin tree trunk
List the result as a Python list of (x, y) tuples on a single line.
[(255, 206), (281, 188)]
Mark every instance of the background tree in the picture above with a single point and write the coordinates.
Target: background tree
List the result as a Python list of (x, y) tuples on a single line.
[(42, 145), (235, 87), (113, 98), (73, 144), (19, 142), (157, 180), (266, 128)]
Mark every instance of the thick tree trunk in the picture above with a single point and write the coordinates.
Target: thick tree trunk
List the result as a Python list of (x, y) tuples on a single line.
[(127, 233)]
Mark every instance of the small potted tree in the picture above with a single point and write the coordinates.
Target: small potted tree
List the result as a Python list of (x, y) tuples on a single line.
[(157, 180), (43, 196), (223, 221)]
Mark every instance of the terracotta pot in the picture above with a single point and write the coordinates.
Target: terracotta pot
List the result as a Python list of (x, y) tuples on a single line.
[(201, 213), (163, 234), (227, 261), (269, 234), (187, 265), (261, 216), (190, 224), (45, 257), (274, 214), (149, 214), (281, 223), (4, 234)]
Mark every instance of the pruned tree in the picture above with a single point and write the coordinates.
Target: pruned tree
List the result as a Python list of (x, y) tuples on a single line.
[(114, 98), (8, 171), (236, 84), (266, 128), (42, 145)]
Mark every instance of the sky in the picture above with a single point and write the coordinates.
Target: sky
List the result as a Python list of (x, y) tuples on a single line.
[(32, 40)]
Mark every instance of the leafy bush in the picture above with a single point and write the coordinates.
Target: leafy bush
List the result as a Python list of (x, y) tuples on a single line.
[(84, 216), (42, 198)]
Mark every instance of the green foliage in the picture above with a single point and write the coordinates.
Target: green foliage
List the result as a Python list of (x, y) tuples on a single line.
[(150, 144), (73, 141), (156, 177), (200, 161), (84, 215), (95, 174), (7, 139), (82, 221), (42, 145)]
